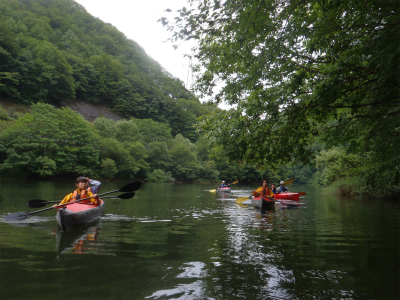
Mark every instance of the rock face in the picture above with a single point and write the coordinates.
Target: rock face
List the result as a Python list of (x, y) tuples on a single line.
[(89, 111), (92, 112)]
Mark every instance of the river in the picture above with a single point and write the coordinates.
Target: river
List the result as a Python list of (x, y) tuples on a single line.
[(181, 241)]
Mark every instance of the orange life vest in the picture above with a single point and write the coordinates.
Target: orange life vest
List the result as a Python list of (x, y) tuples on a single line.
[(82, 195)]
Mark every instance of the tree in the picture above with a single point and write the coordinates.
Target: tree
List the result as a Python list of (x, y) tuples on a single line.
[(48, 141), (297, 71), (108, 168)]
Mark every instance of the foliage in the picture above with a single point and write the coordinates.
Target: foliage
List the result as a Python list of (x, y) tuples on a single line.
[(299, 72), (48, 142), (335, 164), (160, 176), (54, 51), (108, 168)]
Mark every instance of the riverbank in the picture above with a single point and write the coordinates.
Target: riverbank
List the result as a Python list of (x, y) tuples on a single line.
[(354, 188)]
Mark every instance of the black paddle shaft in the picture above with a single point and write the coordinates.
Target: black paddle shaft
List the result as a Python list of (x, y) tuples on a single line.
[(19, 216), (36, 203)]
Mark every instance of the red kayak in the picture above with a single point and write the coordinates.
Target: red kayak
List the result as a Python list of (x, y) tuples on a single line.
[(288, 196), (224, 189), (78, 213)]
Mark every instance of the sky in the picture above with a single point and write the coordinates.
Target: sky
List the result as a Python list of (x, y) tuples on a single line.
[(137, 19)]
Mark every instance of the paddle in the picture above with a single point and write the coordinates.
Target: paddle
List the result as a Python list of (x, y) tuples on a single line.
[(19, 216), (213, 191), (36, 203), (242, 199), (289, 181)]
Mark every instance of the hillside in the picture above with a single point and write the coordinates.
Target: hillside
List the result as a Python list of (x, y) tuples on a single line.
[(55, 52)]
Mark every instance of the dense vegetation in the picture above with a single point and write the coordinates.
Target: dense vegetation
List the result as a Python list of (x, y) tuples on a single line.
[(54, 51), (312, 101), (301, 73), (48, 142)]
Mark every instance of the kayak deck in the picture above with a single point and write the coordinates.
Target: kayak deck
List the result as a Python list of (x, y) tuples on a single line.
[(227, 189), (78, 213)]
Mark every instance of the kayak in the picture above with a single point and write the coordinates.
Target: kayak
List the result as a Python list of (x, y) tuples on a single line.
[(224, 189), (263, 203), (78, 213), (288, 196)]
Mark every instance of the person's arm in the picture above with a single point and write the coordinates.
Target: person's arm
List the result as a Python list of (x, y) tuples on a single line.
[(94, 185), (65, 200), (256, 192)]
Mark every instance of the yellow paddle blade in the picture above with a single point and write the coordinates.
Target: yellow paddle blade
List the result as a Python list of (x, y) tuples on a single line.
[(302, 193), (289, 181), (213, 191), (235, 182), (242, 199)]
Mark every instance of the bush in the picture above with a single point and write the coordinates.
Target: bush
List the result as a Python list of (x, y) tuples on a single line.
[(108, 168), (160, 176)]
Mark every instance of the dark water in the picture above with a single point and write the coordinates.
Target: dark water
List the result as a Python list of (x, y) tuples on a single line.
[(180, 241)]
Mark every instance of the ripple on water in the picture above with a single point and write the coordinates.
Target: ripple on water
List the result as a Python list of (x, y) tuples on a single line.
[(114, 217)]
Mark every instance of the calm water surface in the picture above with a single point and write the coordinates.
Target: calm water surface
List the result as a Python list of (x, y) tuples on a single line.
[(181, 241)]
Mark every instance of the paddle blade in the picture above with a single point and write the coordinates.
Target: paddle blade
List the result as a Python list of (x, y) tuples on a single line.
[(35, 203), (123, 196), (242, 199), (18, 216), (235, 182), (302, 193), (131, 187), (213, 191), (289, 181)]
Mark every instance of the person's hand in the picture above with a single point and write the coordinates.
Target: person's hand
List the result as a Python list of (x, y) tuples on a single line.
[(55, 206)]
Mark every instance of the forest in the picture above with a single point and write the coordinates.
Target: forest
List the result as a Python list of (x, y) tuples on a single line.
[(303, 107)]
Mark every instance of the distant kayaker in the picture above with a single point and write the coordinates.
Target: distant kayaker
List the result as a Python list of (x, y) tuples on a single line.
[(282, 188), (83, 191), (263, 190), (273, 188), (223, 185)]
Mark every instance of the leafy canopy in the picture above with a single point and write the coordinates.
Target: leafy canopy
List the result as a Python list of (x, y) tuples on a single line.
[(296, 72)]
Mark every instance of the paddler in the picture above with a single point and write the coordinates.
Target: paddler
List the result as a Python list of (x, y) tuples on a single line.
[(83, 191), (263, 190), (282, 188)]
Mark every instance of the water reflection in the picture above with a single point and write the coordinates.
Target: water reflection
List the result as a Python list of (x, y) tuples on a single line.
[(79, 240), (192, 290), (183, 242)]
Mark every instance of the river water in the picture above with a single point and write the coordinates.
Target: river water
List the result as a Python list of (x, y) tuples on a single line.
[(181, 241)]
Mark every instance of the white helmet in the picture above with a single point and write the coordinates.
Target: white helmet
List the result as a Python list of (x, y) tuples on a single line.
[(282, 182)]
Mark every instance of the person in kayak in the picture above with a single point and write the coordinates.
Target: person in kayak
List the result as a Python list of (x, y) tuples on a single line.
[(273, 188), (263, 190), (83, 191), (282, 188), (222, 185)]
